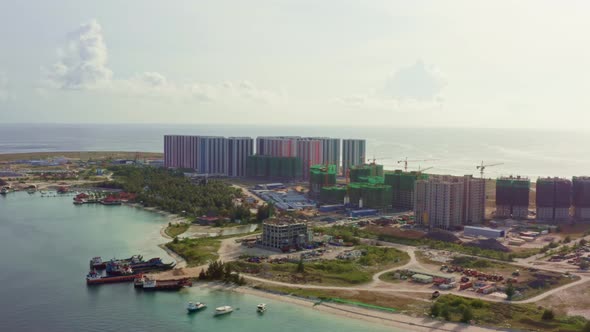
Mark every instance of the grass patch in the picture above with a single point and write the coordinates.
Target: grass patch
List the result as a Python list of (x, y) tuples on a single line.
[(330, 272), (415, 303), (514, 316), (173, 230), (196, 251)]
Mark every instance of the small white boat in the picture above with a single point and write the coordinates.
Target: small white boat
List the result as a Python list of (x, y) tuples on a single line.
[(261, 307), (223, 310), (192, 307)]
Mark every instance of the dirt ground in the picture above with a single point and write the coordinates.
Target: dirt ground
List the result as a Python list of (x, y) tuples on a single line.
[(571, 301)]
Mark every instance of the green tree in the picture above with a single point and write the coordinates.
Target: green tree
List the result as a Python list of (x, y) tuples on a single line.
[(435, 309), (584, 265), (467, 314), (300, 266), (445, 313), (586, 327), (510, 290), (548, 314)]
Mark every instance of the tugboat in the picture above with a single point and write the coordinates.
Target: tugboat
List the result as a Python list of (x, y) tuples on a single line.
[(223, 310), (193, 307), (261, 308)]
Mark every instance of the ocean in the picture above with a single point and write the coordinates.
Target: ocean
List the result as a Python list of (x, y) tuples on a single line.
[(526, 152), (45, 247)]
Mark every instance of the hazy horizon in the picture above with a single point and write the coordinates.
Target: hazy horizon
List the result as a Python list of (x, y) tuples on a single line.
[(397, 64)]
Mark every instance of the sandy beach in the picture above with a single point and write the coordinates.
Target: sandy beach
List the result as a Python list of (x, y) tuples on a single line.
[(398, 321)]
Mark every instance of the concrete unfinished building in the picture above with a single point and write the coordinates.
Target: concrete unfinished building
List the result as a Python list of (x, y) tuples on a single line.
[(512, 197), (402, 188), (439, 202), (581, 197), (285, 234), (553, 199), (445, 201), (321, 176), (474, 200)]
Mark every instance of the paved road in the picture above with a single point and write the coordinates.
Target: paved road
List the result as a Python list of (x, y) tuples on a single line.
[(378, 285)]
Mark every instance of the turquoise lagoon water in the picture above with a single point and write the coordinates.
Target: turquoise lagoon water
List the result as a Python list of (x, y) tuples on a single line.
[(45, 246)]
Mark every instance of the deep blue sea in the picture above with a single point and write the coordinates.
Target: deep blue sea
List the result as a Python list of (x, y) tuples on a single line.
[(526, 152), (45, 246)]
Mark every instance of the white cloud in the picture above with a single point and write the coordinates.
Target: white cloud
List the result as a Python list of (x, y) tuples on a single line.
[(82, 62), (412, 88), (419, 81), (82, 65)]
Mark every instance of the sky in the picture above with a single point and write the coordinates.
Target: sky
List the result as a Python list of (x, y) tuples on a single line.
[(488, 64)]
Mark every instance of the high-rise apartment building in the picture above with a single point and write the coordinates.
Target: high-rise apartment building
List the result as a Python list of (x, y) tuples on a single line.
[(581, 197), (439, 202), (512, 197), (331, 151), (353, 153), (553, 199), (239, 148), (445, 201), (208, 154), (311, 152), (474, 209), (180, 151), (279, 146)]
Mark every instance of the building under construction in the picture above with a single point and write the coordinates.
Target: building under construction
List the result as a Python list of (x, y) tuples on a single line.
[(269, 167), (512, 197), (333, 195), (402, 187), (581, 197), (370, 196), (321, 176), (553, 199), (357, 173)]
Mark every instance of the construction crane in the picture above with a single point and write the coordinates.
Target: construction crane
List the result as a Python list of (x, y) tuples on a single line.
[(424, 169), (482, 167), (378, 158), (406, 161)]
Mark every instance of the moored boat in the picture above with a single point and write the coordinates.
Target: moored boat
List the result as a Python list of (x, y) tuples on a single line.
[(226, 309), (192, 307), (149, 284), (4, 191), (95, 278), (261, 308), (97, 263), (153, 264)]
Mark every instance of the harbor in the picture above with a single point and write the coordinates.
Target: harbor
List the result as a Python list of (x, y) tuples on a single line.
[(48, 230)]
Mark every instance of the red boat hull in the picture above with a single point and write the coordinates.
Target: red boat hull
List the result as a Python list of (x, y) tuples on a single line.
[(110, 280)]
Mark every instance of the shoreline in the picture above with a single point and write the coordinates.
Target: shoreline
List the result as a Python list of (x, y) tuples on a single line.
[(395, 320)]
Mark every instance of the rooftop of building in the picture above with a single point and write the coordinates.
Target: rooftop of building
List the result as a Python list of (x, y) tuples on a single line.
[(284, 221)]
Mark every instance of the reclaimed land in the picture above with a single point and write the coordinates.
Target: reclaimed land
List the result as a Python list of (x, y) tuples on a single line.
[(80, 155), (328, 272), (173, 230)]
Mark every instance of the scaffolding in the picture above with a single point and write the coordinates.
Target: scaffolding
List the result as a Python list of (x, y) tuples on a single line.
[(270, 167), (321, 176), (373, 196), (332, 195)]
